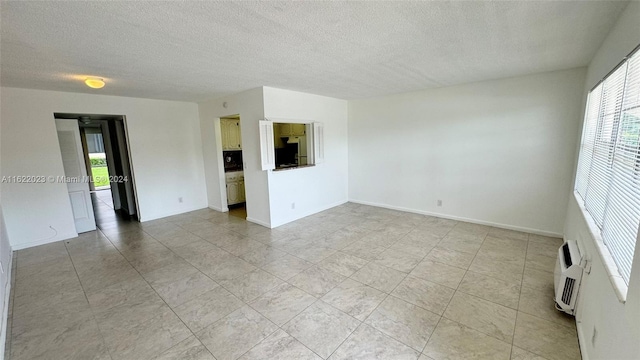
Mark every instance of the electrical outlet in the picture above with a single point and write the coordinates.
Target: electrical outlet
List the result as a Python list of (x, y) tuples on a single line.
[(593, 336), (293, 205), (439, 202), (179, 199)]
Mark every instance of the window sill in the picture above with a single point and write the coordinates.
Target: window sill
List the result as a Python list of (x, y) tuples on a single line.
[(617, 282), (294, 167)]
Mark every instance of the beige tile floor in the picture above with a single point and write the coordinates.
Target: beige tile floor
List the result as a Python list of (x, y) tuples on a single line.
[(353, 282)]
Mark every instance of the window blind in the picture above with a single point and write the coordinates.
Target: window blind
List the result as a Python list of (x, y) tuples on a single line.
[(604, 144), (622, 216), (608, 174), (588, 137)]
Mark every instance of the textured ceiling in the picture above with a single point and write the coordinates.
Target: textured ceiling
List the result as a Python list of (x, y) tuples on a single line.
[(201, 50)]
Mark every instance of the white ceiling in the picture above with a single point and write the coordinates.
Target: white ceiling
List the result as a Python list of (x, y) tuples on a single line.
[(201, 50)]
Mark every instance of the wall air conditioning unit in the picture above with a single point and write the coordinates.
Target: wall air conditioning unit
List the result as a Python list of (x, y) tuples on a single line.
[(567, 277)]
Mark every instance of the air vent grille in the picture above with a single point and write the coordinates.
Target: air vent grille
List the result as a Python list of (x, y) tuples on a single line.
[(567, 255), (568, 290)]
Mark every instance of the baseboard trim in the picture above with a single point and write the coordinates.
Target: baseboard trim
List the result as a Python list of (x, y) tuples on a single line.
[(58, 237), (225, 209), (459, 218), (259, 222), (144, 219), (5, 312), (311, 212)]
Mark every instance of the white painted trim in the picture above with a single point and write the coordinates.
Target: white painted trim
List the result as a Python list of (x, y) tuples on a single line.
[(289, 121), (5, 314), (131, 166), (222, 178), (171, 214), (225, 209), (311, 212), (57, 238), (610, 266), (259, 222), (459, 218), (582, 341)]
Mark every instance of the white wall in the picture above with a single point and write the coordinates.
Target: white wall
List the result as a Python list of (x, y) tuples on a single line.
[(6, 264), (165, 147), (5, 281), (317, 188), (617, 324), (249, 105), (497, 152)]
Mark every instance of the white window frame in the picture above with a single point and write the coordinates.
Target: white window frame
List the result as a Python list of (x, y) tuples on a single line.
[(603, 188)]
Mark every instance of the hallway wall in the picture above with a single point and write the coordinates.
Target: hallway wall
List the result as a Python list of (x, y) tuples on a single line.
[(165, 146)]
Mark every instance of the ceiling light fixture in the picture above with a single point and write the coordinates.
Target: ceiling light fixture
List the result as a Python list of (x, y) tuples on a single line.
[(94, 83)]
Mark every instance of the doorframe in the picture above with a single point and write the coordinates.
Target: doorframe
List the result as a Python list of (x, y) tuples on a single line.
[(222, 176), (108, 149), (87, 160), (131, 168), (111, 117)]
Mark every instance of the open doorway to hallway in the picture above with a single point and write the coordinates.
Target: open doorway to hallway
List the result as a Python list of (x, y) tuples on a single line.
[(95, 157), (233, 165), (110, 190)]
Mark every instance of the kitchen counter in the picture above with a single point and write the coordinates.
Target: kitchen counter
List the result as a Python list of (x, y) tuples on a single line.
[(293, 167)]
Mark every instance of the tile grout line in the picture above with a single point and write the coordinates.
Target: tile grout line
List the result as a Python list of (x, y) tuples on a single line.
[(442, 315), (520, 296), (478, 297), (457, 287), (93, 315), (198, 269), (159, 296), (390, 294), (407, 275), (312, 240), (281, 327), (242, 301), (303, 310), (320, 299), (350, 277), (518, 310), (535, 315), (363, 321), (207, 276)]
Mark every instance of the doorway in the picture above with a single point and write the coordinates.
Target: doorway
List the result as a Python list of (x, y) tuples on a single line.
[(106, 163), (230, 130)]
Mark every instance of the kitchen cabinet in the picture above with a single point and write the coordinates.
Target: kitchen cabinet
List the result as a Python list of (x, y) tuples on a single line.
[(277, 136), (233, 196), (298, 129), (230, 129), (235, 187), (241, 194), (285, 129)]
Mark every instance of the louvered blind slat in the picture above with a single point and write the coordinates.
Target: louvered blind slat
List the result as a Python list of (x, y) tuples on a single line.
[(588, 135), (604, 145), (608, 174)]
